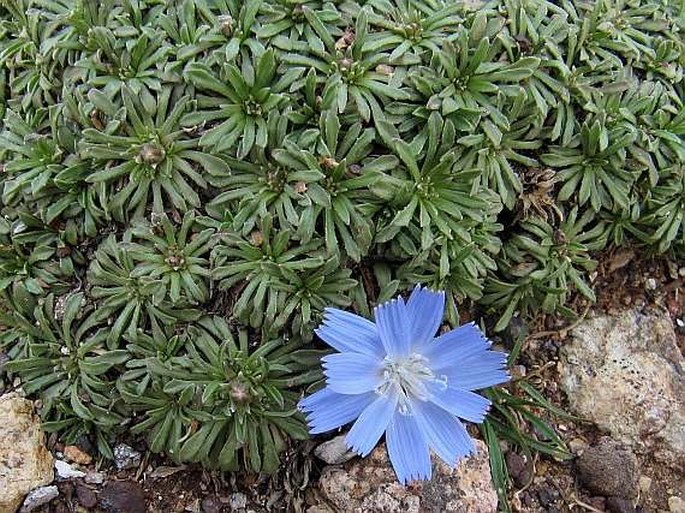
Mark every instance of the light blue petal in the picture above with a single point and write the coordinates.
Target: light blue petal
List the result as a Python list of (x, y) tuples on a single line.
[(393, 327), (456, 345), (352, 373), (426, 310), (408, 450), (485, 371), (443, 432), (327, 410), (463, 357), (371, 424), (462, 403), (346, 332)]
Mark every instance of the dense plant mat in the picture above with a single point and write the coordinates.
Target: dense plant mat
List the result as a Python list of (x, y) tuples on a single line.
[(187, 184)]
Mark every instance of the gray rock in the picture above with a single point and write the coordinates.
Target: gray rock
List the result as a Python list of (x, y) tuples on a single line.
[(39, 497), (335, 451), (126, 456), (625, 373), (66, 471), (370, 485), (609, 469), (25, 462)]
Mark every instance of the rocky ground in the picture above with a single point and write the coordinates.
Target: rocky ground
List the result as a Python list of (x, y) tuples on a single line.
[(619, 370)]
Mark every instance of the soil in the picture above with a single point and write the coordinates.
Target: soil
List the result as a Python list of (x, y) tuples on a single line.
[(544, 485)]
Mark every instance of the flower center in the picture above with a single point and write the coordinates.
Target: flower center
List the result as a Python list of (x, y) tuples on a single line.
[(408, 377)]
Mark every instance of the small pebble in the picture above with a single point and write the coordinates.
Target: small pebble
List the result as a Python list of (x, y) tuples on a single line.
[(672, 270), (86, 497), (650, 284), (645, 483), (39, 497), (194, 507), (211, 504), (676, 505), (93, 477), (610, 469), (66, 471), (76, 455), (547, 495), (123, 497), (577, 446), (519, 470), (126, 456), (238, 501)]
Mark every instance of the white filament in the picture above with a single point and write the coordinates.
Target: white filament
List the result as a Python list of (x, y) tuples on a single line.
[(409, 377)]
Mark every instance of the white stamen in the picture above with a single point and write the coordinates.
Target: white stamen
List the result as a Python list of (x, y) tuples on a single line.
[(409, 377)]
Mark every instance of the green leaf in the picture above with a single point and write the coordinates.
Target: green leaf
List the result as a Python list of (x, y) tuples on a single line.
[(201, 76), (320, 29)]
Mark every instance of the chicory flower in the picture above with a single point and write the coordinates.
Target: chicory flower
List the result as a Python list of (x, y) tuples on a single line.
[(394, 377)]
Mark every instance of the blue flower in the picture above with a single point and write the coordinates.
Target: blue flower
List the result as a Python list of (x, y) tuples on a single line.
[(396, 377)]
